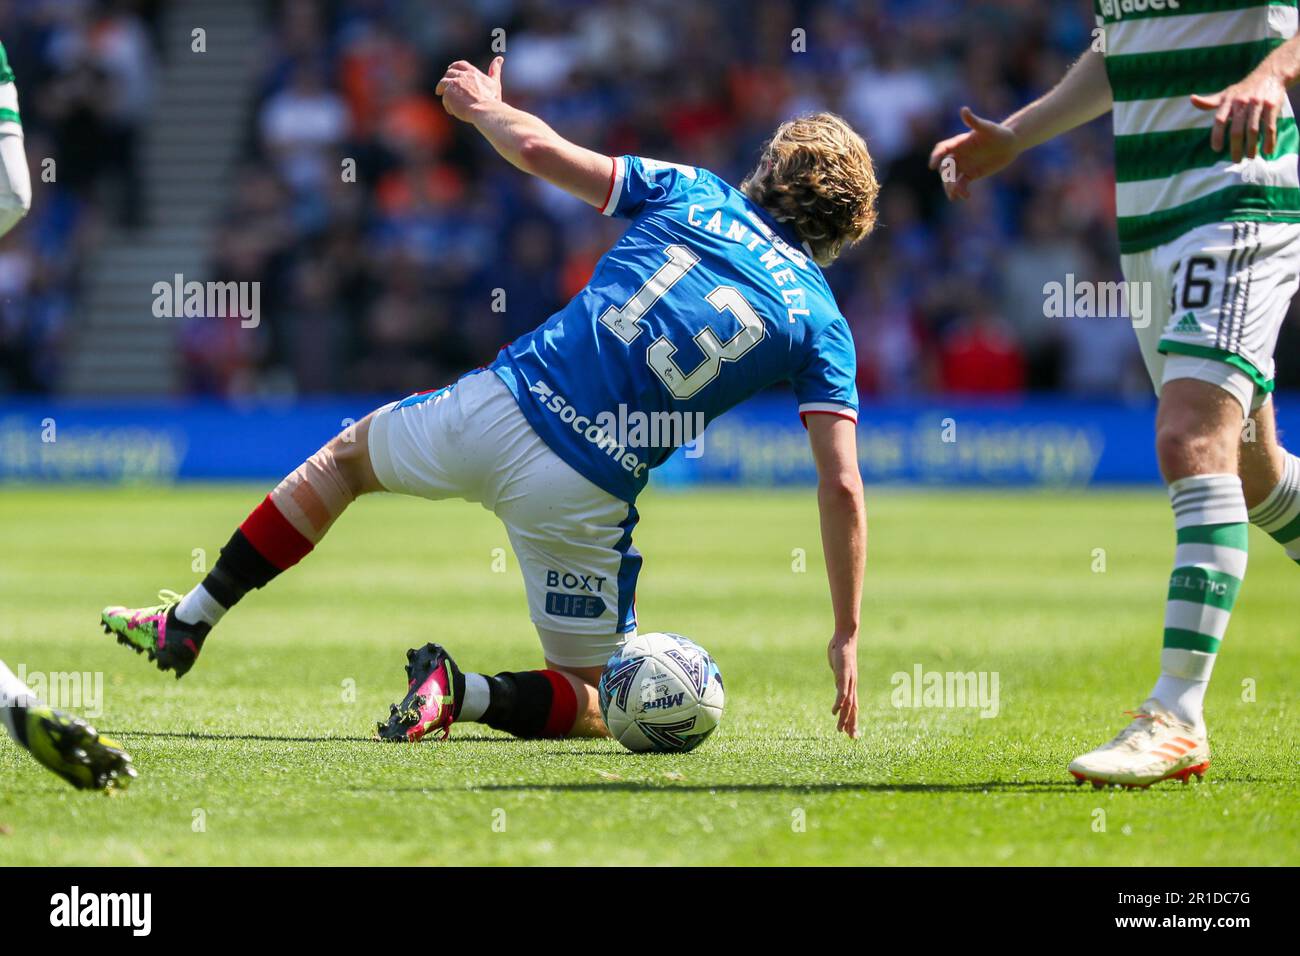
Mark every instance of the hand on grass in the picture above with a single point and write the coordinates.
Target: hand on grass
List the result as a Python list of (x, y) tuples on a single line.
[(843, 656)]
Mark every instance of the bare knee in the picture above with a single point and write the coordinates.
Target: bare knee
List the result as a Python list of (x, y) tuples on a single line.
[(1198, 430), (1183, 451), (350, 453)]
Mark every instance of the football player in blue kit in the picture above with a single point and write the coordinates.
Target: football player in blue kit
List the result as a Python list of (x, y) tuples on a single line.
[(712, 294)]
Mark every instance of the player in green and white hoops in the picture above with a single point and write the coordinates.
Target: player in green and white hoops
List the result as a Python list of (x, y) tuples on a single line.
[(65, 744), (15, 181), (1208, 206)]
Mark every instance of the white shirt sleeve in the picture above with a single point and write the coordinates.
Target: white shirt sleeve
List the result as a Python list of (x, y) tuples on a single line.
[(15, 180)]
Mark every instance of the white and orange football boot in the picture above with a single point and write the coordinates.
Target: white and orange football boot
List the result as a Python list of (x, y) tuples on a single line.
[(1155, 746)]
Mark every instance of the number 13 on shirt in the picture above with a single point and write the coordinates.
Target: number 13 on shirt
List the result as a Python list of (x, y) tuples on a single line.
[(625, 322)]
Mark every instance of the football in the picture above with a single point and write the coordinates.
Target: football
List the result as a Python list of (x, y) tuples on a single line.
[(661, 692)]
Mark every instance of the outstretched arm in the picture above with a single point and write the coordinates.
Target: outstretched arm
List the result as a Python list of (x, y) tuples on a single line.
[(844, 543), (988, 147), (474, 97)]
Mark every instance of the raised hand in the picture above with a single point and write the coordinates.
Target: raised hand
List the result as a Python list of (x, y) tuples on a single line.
[(465, 86)]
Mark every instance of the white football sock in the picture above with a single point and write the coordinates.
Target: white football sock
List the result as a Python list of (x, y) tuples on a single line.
[(13, 692), (1209, 565), (477, 697), (1279, 513), (1184, 698), (199, 607)]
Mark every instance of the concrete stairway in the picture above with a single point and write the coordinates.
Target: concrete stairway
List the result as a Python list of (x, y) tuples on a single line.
[(194, 133)]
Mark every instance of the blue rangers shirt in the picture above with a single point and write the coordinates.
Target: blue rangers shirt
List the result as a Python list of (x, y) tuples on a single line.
[(704, 301)]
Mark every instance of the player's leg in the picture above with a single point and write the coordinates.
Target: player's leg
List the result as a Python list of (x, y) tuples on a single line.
[(585, 681), (1197, 437), (1205, 360), (66, 745), (1182, 437), (566, 705), (1196, 440), (563, 699), (1270, 476), (573, 543), (574, 547), (559, 701), (276, 535)]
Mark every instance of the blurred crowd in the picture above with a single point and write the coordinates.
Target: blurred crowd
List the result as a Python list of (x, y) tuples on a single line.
[(395, 250), (440, 252), (86, 72)]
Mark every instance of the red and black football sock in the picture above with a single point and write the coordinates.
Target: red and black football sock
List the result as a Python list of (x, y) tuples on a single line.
[(263, 546), (530, 704)]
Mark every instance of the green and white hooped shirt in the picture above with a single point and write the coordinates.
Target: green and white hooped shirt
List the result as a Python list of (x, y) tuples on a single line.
[(8, 101), (1167, 178)]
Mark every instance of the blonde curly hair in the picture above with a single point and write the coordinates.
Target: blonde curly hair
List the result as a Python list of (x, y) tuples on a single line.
[(816, 174)]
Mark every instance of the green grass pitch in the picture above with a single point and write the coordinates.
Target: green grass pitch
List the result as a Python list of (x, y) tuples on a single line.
[(262, 754)]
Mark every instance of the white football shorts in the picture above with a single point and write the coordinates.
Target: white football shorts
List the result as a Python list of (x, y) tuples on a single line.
[(1218, 297), (573, 540)]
